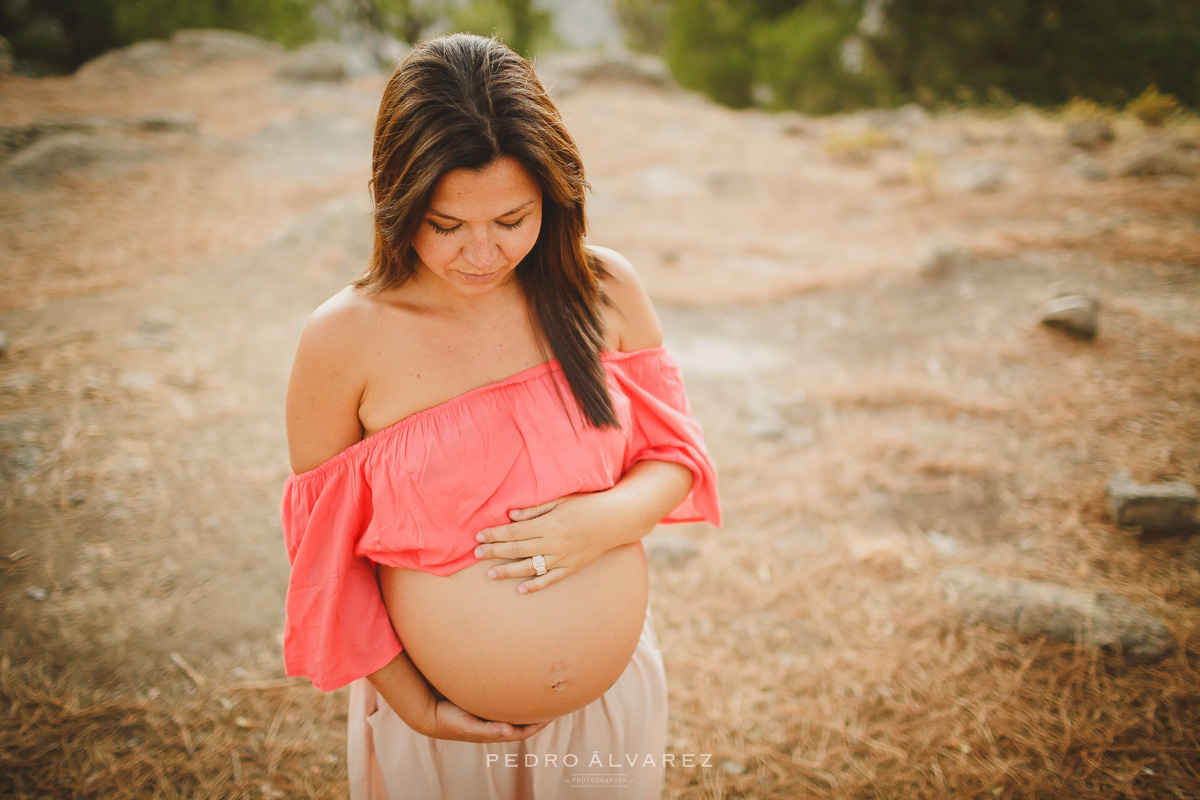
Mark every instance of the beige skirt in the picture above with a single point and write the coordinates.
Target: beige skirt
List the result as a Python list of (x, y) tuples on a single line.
[(611, 749)]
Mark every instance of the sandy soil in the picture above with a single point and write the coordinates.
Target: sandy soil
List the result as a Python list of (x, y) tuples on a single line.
[(871, 426)]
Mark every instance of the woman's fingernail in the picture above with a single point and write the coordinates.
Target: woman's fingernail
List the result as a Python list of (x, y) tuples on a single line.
[(479, 552), (479, 537), (492, 573), (516, 512), (523, 589)]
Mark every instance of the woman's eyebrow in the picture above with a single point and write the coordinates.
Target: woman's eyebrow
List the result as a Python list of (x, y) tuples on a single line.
[(517, 210)]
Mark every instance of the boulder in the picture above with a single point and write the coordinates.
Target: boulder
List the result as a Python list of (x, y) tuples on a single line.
[(941, 258), (1167, 507), (315, 62), (1096, 619), (1089, 134), (151, 58), (220, 46), (370, 52), (1088, 168), (1074, 314), (165, 122), (14, 138), (566, 72), (55, 155), (1156, 158), (982, 177)]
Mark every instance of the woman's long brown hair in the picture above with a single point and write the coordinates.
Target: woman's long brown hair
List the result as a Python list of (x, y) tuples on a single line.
[(460, 102)]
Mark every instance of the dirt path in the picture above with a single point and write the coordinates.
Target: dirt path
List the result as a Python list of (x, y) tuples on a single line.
[(871, 426)]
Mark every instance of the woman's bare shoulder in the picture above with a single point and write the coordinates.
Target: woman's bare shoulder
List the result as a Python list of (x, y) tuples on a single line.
[(329, 375), (631, 320)]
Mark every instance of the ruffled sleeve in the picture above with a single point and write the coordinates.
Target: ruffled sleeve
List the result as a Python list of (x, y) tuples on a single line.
[(663, 429), (337, 627)]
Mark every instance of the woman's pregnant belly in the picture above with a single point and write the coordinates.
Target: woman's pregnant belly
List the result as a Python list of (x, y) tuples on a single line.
[(521, 658)]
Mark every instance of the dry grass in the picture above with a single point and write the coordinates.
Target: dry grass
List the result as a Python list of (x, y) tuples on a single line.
[(807, 647), (273, 739)]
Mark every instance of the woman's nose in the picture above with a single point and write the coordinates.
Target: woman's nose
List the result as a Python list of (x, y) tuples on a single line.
[(480, 251)]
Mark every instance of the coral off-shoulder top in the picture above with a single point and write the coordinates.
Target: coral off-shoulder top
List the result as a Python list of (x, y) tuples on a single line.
[(415, 494)]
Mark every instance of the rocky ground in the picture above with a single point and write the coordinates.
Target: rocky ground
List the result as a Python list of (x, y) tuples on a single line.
[(856, 302)]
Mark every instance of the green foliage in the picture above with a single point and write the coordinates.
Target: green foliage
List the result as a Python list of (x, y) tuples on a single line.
[(783, 53), (59, 35), (515, 22), (408, 20), (1151, 107), (645, 24), (799, 56), (286, 21), (707, 48), (1042, 51), (791, 53)]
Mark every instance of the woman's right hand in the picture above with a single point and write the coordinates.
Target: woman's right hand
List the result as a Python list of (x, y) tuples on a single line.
[(452, 722)]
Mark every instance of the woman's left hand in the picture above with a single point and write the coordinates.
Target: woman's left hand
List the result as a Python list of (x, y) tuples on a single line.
[(573, 531), (569, 533)]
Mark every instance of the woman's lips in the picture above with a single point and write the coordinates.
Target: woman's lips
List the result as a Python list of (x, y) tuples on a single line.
[(484, 277)]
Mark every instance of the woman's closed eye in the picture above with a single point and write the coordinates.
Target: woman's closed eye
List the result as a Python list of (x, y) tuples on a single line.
[(438, 229)]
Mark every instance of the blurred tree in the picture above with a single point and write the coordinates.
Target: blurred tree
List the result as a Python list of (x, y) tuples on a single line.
[(59, 35), (1043, 51), (644, 23), (516, 22), (406, 19), (829, 55), (708, 49)]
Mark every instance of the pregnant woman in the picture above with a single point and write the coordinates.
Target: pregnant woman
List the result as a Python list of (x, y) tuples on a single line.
[(482, 427)]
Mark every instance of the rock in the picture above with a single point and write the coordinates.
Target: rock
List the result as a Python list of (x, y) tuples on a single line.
[(1088, 168), (1090, 134), (913, 114), (14, 138), (220, 46), (732, 768), (1156, 158), (792, 123), (567, 71), (943, 544), (906, 116), (150, 58), (670, 549), (368, 51), (1075, 314), (983, 177), (318, 61), (165, 122), (940, 258), (1097, 619), (55, 155), (1154, 507), (36, 593)]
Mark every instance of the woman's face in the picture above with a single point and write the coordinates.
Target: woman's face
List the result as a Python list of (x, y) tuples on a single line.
[(479, 226)]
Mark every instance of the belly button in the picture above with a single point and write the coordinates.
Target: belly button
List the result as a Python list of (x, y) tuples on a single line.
[(556, 670)]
